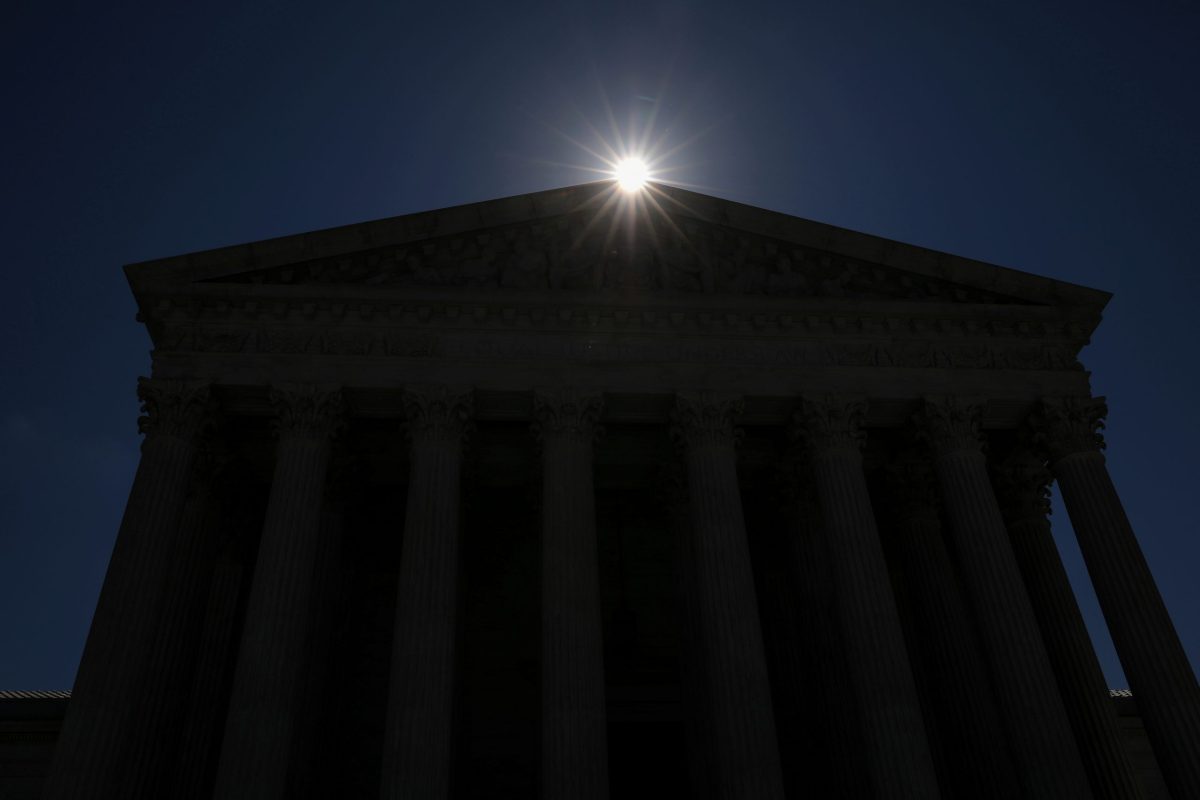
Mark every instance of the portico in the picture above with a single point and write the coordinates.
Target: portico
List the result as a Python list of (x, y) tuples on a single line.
[(519, 602)]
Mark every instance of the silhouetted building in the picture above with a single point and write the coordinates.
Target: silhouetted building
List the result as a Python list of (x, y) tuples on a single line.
[(589, 494)]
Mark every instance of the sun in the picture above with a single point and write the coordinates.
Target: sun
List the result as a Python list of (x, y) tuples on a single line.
[(631, 173)]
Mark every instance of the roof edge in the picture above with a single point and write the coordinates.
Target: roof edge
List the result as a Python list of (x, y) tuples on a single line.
[(327, 242)]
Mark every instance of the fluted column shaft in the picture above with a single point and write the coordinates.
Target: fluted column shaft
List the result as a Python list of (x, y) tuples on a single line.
[(256, 754), (574, 730), (969, 721), (1039, 733), (780, 614), (418, 732), (823, 684), (91, 749), (1023, 486), (192, 777), (697, 729), (311, 744), (1156, 665), (888, 706), (155, 739), (745, 757)]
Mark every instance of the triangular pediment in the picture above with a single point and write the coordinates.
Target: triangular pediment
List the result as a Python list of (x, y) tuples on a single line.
[(587, 239), (607, 252)]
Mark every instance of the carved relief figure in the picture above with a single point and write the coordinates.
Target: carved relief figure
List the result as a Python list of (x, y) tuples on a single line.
[(526, 268)]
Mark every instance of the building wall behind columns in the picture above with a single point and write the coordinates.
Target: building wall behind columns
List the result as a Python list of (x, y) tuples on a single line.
[(957, 696), (372, 469), (819, 741), (499, 708), (243, 497), (643, 636), (782, 613)]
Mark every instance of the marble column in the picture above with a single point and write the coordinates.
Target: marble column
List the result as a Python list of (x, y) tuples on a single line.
[(91, 751), (827, 711), (344, 489), (1042, 742), (257, 753), (192, 774), (897, 751), (574, 730), (781, 615), (694, 682), (153, 744), (1156, 665), (418, 733), (1023, 487), (745, 754), (971, 735)]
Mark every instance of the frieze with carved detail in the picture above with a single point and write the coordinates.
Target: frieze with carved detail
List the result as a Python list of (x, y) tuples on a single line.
[(496, 312), (411, 344)]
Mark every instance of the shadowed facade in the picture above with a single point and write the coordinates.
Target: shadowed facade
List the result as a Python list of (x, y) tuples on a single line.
[(582, 494)]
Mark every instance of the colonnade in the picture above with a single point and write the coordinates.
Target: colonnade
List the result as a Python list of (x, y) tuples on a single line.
[(1052, 734)]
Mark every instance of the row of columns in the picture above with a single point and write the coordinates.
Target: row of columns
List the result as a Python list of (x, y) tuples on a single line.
[(880, 675), (1035, 651)]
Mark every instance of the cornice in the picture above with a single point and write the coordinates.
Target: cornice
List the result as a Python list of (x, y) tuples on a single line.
[(385, 343), (243, 294), (558, 313)]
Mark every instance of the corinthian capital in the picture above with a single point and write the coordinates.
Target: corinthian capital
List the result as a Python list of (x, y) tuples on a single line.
[(1022, 484), (951, 424), (566, 413), (179, 408), (438, 413), (832, 422), (705, 420), (1068, 425), (307, 410)]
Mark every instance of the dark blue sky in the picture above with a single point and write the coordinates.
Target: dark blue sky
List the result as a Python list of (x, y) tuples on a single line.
[(1057, 139)]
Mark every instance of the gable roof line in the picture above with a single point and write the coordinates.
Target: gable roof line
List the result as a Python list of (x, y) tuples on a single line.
[(527, 208)]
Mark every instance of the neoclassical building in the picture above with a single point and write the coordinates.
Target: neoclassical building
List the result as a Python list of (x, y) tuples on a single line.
[(585, 494)]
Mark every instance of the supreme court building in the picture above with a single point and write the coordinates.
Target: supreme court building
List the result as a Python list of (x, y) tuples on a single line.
[(583, 494)]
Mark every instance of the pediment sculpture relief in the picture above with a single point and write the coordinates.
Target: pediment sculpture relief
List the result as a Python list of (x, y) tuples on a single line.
[(582, 253)]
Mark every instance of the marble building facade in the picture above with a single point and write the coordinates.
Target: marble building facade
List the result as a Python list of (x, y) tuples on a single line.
[(582, 494)]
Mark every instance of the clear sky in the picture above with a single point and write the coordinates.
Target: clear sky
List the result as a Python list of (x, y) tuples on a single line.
[(1059, 139)]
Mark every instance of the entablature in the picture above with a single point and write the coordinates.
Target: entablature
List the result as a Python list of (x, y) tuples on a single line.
[(567, 287)]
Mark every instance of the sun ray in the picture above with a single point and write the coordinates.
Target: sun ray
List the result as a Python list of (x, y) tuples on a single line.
[(613, 222), (611, 159), (608, 112), (666, 218), (675, 201), (605, 173), (610, 200), (633, 157)]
